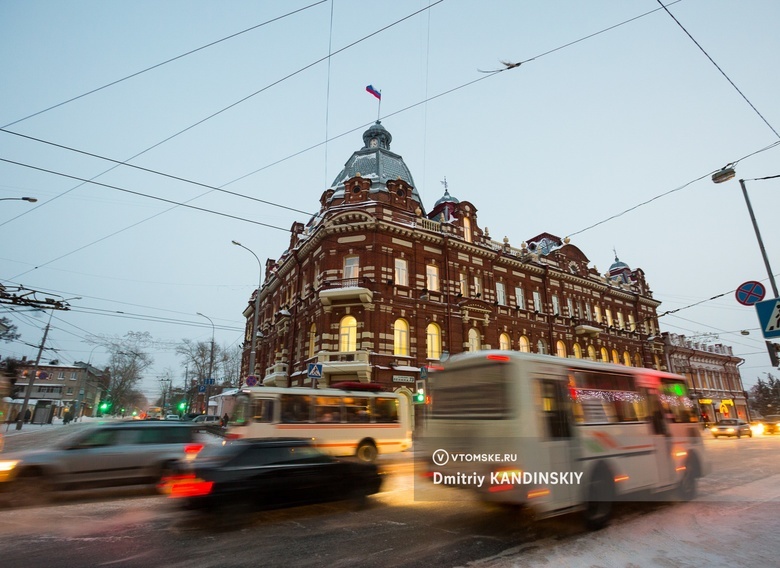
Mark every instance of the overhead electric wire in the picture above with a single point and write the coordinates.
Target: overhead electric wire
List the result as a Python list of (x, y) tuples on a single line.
[(213, 43), (761, 116), (428, 99), (236, 103)]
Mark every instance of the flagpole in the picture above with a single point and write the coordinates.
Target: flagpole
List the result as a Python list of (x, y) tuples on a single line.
[(379, 106)]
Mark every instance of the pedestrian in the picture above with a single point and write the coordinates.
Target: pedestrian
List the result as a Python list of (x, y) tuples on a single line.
[(225, 420), (27, 416)]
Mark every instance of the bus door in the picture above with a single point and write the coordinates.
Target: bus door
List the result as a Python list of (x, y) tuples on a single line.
[(556, 438), (662, 439)]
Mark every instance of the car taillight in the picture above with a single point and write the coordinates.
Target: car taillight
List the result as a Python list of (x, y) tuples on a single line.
[(187, 486), (232, 436), (192, 450)]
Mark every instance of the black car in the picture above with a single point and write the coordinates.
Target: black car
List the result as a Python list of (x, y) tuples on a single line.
[(269, 473)]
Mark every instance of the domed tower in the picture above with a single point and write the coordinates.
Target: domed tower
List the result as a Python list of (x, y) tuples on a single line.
[(379, 170), (444, 209), (620, 271)]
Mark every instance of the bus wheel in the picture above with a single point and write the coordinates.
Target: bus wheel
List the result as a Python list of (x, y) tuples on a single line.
[(366, 452), (600, 497), (687, 488)]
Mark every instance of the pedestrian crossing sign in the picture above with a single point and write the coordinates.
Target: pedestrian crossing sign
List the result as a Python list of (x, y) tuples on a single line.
[(769, 316), (315, 371)]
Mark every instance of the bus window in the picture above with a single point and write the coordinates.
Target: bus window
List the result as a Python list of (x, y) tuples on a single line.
[(357, 410), (296, 408), (385, 410), (263, 410), (328, 409), (554, 411), (677, 405)]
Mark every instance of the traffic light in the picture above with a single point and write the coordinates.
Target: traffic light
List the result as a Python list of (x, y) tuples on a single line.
[(419, 395), (774, 353), (182, 406)]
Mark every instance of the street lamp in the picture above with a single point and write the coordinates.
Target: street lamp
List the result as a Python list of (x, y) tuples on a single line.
[(211, 362), (30, 199), (727, 174), (255, 318)]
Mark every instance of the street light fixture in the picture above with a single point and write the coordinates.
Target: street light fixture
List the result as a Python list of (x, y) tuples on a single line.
[(30, 199), (255, 332), (211, 362), (726, 174)]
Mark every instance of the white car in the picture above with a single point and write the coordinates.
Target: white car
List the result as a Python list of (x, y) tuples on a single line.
[(207, 419), (172, 417)]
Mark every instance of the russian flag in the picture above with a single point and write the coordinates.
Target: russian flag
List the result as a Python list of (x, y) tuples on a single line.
[(374, 92)]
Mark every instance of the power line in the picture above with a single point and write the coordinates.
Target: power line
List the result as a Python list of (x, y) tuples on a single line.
[(137, 73), (719, 69)]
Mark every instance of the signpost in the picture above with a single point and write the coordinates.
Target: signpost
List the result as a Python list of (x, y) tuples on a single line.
[(750, 293)]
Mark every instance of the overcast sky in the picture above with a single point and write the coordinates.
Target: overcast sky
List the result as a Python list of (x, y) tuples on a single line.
[(579, 133)]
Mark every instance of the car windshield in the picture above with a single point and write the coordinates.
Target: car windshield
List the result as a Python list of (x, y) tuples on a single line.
[(728, 422)]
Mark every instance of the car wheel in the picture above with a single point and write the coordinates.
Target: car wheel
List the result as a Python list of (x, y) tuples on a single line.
[(31, 489), (366, 452), (600, 497)]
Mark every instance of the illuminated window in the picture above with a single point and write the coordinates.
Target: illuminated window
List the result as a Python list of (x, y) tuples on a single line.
[(621, 321), (560, 349), (525, 345), (474, 342), (591, 353), (401, 338), (637, 360), (626, 359), (351, 266), (604, 355), (577, 350), (467, 229), (615, 357), (610, 323), (401, 272), (432, 277), (504, 343), (348, 334), (631, 322), (312, 340), (597, 311), (433, 332)]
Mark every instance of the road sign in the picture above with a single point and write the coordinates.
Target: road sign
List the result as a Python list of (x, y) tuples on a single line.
[(315, 371), (423, 373), (201, 388), (210, 381), (750, 293), (769, 315), (251, 381)]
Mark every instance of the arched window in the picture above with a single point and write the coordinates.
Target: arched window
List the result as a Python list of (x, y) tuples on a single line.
[(504, 343), (637, 360), (615, 357), (401, 338), (434, 341), (474, 342), (541, 347), (604, 355), (560, 349), (312, 340), (626, 359), (577, 350), (525, 345), (348, 334)]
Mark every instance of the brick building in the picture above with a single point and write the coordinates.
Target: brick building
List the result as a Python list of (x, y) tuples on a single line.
[(374, 288)]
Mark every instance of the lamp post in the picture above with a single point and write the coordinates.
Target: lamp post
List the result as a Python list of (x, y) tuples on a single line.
[(29, 199), (255, 317), (726, 174), (211, 362)]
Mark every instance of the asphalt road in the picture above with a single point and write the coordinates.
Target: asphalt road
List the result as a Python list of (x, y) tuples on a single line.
[(392, 530)]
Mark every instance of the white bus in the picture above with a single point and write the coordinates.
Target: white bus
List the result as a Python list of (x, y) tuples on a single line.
[(347, 419), (561, 435)]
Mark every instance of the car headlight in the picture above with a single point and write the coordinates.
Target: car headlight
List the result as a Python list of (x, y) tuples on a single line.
[(713, 429), (6, 467), (730, 430)]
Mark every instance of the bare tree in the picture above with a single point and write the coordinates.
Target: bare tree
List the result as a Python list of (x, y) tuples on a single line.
[(8, 330), (127, 363), (229, 365)]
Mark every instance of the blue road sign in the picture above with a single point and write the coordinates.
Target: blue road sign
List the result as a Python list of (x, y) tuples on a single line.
[(769, 316), (423, 372), (201, 388), (251, 381), (750, 293), (315, 371)]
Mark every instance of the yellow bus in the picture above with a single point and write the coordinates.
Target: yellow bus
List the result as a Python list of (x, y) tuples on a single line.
[(347, 419), (560, 435)]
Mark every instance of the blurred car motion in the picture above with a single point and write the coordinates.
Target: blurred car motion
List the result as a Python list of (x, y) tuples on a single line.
[(731, 427), (107, 455), (767, 425), (208, 419), (269, 473)]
